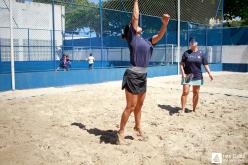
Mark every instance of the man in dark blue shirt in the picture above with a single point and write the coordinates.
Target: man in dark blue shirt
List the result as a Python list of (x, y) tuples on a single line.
[(191, 62)]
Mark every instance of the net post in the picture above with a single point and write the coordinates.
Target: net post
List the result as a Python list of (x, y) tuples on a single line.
[(172, 54), (53, 31), (12, 56), (222, 27), (178, 35), (101, 26), (29, 45)]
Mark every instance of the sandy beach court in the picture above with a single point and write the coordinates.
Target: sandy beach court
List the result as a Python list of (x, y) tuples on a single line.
[(77, 124)]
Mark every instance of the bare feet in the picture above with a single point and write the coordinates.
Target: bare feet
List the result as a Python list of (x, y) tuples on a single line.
[(120, 138), (139, 134), (138, 131), (181, 112)]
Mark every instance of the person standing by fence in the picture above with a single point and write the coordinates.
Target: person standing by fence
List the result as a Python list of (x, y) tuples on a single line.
[(91, 61)]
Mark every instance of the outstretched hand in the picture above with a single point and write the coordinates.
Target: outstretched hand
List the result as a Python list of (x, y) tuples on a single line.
[(165, 19)]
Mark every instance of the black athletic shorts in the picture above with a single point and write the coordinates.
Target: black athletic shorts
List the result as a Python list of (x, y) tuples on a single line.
[(134, 82)]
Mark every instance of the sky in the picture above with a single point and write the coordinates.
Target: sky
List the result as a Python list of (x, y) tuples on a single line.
[(95, 1)]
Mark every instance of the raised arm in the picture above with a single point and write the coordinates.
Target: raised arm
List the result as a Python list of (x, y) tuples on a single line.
[(135, 17), (165, 21)]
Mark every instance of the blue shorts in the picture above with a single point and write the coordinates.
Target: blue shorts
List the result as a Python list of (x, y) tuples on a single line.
[(192, 82)]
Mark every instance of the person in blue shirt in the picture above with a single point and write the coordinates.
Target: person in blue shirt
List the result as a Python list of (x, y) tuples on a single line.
[(190, 66), (135, 77)]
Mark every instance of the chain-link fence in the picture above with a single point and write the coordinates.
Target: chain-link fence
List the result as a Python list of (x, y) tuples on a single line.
[(5, 45), (44, 30)]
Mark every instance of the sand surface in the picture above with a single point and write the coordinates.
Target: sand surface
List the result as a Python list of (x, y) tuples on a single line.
[(77, 124)]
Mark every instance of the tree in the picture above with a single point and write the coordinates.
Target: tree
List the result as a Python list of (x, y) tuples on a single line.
[(79, 14), (82, 16), (236, 8)]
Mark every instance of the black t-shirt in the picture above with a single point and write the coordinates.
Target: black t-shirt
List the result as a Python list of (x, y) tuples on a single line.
[(193, 62)]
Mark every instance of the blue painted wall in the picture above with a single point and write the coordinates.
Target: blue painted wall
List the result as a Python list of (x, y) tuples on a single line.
[(43, 66), (72, 77), (34, 66), (5, 82), (215, 67), (235, 67)]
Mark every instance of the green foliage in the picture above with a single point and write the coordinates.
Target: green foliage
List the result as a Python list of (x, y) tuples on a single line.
[(79, 14), (236, 8), (82, 16)]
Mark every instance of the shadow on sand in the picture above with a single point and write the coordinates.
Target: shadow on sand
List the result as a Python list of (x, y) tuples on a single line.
[(172, 110), (106, 136)]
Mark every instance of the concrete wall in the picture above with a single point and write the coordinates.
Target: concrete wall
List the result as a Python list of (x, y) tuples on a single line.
[(235, 58), (33, 26), (213, 53), (235, 54), (32, 15)]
